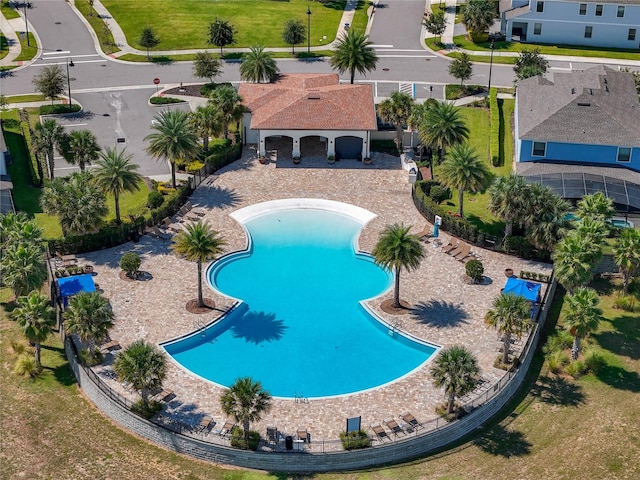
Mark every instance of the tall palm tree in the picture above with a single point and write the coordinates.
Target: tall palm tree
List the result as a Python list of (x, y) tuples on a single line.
[(443, 126), (573, 261), (594, 228), (258, 66), (396, 110), (225, 99), (79, 147), (510, 315), (583, 316), (597, 206), (397, 249), (173, 140), (206, 122), (143, 366), (116, 174), (16, 228), (22, 266), (464, 171), (508, 200), (626, 253), (36, 319), (46, 138), (353, 53), (198, 243), (456, 370), (245, 401), (478, 15), (89, 316), (546, 219)]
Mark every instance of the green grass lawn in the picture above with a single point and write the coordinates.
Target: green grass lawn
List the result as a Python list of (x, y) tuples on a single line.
[(35, 97), (104, 35), (184, 25), (462, 42), (4, 46), (27, 51), (8, 12), (301, 55), (360, 17)]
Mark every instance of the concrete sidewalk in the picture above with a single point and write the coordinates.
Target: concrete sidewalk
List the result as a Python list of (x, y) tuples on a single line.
[(10, 29)]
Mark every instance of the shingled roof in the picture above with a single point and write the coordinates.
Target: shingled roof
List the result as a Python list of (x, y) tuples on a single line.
[(309, 102), (598, 106)]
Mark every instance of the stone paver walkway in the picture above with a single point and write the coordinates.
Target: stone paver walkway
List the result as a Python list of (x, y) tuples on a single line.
[(448, 311)]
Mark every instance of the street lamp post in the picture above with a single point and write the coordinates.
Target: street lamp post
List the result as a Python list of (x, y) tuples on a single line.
[(69, 64), (308, 29), (491, 62)]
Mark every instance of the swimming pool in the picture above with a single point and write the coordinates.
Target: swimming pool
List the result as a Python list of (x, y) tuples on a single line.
[(300, 328), (618, 222)]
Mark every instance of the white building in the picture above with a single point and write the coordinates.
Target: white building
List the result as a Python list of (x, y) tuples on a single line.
[(602, 23)]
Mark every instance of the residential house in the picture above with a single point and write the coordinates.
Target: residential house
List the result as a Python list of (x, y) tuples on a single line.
[(602, 23)]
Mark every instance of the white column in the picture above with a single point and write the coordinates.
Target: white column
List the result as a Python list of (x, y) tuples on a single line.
[(331, 144), (261, 148), (296, 146)]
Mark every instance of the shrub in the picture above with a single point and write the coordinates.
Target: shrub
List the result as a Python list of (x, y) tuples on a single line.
[(238, 441), (155, 199), (355, 440), (26, 365), (130, 263), (625, 302), (35, 167), (427, 185), (146, 411), (164, 100), (194, 166), (224, 156), (166, 188), (517, 245), (474, 269), (561, 340), (439, 194), (90, 358), (494, 139), (207, 88), (557, 360), (18, 347), (594, 361), (576, 368), (58, 109)]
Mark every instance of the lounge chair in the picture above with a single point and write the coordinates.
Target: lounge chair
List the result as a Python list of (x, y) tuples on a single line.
[(457, 250), (197, 210), (463, 253), (394, 426), (205, 425), (425, 232), (410, 420), (227, 428), (380, 432), (156, 232), (185, 213), (452, 245), (176, 227), (163, 396), (272, 435)]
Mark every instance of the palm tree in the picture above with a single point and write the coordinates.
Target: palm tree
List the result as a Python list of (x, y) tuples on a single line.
[(294, 32), (546, 219), (596, 206), (173, 140), (353, 53), (456, 370), (18, 228), (23, 267), (225, 98), (396, 110), (143, 366), (583, 316), (258, 66), (464, 171), (245, 400), (46, 137), (36, 318), (206, 122), (626, 253), (595, 229), (477, 15), (573, 261), (510, 315), (508, 200), (80, 147), (443, 126), (198, 243), (89, 316), (397, 249), (116, 174)]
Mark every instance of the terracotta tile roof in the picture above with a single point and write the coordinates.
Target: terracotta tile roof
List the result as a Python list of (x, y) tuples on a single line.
[(309, 102)]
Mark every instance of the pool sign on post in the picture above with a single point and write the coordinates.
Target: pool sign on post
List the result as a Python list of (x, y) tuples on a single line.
[(156, 82)]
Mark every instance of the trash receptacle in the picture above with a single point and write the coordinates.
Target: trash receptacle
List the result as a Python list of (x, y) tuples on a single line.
[(288, 442)]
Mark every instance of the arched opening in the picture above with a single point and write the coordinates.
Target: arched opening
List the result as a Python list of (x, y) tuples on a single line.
[(279, 147), (313, 146), (349, 148)]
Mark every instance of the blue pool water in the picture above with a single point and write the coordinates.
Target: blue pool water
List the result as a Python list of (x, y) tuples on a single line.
[(300, 329), (615, 221)]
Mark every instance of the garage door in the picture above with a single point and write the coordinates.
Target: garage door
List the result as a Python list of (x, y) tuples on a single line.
[(348, 147)]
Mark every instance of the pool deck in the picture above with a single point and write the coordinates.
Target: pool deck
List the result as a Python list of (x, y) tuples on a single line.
[(447, 311)]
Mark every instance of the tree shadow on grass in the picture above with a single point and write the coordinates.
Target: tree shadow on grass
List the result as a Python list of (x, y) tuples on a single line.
[(436, 313), (162, 60), (620, 378), (624, 340), (502, 442), (558, 391)]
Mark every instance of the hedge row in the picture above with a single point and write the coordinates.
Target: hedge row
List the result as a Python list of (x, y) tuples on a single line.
[(494, 142), (215, 161), (35, 167)]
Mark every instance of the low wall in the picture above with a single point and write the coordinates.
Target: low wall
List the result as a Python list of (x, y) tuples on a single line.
[(424, 442)]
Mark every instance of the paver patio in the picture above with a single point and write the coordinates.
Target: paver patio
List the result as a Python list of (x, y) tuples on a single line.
[(447, 310)]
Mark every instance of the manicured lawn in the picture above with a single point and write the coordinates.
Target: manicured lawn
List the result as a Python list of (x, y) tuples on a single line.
[(462, 42), (4, 46), (130, 203), (8, 12), (360, 17), (301, 55), (28, 52), (104, 35), (36, 97), (185, 24)]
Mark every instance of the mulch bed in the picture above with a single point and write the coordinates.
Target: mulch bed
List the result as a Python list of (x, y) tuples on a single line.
[(123, 276), (189, 90), (387, 307), (192, 306)]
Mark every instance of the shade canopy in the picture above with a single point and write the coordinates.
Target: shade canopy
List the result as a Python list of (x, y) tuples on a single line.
[(523, 288), (75, 284)]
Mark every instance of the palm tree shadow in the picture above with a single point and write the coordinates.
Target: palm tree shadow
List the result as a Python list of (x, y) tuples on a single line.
[(258, 327), (499, 441), (219, 197), (620, 378), (558, 391), (624, 339), (437, 313)]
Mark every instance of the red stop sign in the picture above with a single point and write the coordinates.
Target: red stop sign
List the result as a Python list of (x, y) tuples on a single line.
[(156, 81)]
